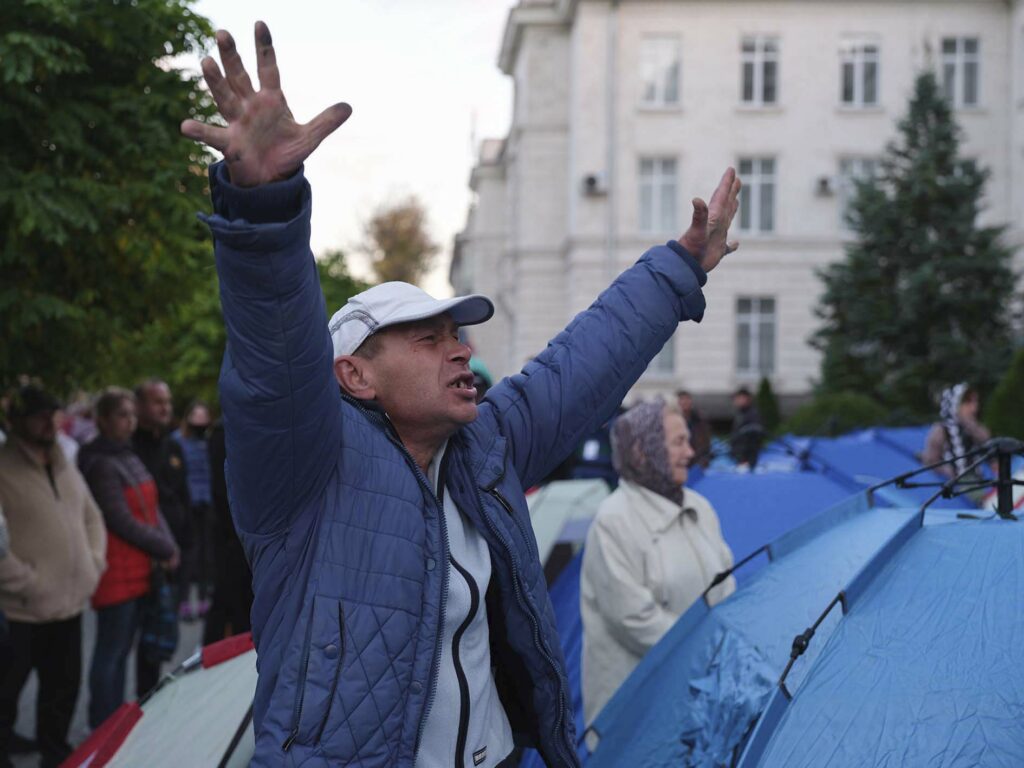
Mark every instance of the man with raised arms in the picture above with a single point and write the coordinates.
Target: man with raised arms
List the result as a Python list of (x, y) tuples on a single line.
[(401, 616)]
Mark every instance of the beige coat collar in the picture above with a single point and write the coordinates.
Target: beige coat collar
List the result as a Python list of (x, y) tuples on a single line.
[(657, 513)]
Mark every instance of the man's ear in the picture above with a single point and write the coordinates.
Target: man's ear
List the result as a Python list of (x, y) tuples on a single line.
[(355, 376)]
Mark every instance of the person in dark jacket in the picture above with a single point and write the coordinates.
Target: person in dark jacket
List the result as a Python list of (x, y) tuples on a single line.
[(163, 457), (197, 560), (747, 432), (232, 579), (699, 428), (137, 535), (401, 615)]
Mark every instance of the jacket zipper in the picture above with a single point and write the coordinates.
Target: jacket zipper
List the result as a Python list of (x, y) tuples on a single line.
[(297, 711), (438, 496), (537, 641), (464, 703), (337, 672), (385, 423)]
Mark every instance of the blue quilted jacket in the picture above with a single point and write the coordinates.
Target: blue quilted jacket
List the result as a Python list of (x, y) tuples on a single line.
[(346, 539)]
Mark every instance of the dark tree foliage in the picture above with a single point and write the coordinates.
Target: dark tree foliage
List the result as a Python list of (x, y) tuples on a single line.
[(835, 413), (1004, 412), (923, 297), (191, 337), (335, 281), (98, 191)]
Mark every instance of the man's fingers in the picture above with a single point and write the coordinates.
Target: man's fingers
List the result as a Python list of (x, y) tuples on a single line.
[(210, 135), (266, 59), (700, 214), (227, 101), (326, 123), (237, 77), (732, 246), (724, 187)]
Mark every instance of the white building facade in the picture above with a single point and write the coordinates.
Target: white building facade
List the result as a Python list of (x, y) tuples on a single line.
[(627, 109)]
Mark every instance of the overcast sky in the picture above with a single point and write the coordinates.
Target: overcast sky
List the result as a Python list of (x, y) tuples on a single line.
[(419, 75)]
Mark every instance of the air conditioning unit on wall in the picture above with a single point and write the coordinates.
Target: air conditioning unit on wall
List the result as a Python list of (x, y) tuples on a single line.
[(595, 184), (825, 186)]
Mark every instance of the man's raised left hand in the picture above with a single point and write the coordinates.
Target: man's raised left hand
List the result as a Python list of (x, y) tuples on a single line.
[(707, 239)]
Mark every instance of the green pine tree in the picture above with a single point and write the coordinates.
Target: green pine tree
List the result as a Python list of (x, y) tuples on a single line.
[(1004, 412), (98, 191), (923, 297)]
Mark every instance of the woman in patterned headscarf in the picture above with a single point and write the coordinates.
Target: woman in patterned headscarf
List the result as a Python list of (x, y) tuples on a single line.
[(651, 552), (957, 431)]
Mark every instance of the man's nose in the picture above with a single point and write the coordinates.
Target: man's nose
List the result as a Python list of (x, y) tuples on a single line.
[(460, 353)]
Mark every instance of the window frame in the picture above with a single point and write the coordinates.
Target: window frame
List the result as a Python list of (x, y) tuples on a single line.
[(857, 53), (960, 59), (751, 194), (657, 182), (758, 59), (660, 43), (753, 319)]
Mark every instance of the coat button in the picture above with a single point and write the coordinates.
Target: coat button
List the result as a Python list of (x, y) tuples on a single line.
[(430, 563), (416, 687), (331, 651)]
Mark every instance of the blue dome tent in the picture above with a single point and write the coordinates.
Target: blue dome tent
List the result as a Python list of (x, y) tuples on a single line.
[(734, 684)]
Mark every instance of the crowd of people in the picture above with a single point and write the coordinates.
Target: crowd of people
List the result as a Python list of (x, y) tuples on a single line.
[(108, 503)]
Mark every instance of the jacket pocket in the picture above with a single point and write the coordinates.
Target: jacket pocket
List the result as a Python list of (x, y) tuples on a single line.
[(320, 668), (337, 672)]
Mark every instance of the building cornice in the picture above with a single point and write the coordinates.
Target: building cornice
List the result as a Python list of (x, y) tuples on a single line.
[(522, 16), (482, 172)]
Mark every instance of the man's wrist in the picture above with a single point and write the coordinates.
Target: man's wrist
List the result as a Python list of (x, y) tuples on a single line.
[(691, 261), (268, 203)]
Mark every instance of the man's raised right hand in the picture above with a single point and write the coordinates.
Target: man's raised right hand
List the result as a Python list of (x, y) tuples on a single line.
[(262, 142)]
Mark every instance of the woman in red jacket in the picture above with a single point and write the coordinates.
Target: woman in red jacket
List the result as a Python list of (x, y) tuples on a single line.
[(137, 535)]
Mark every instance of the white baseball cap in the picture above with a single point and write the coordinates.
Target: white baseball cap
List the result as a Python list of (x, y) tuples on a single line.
[(393, 303)]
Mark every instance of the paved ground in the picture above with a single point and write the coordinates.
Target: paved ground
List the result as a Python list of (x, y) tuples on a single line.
[(190, 639)]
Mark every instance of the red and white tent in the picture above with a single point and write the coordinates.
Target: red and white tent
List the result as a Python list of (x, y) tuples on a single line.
[(200, 715)]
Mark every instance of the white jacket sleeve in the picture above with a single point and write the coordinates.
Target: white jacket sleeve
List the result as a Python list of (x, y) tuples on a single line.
[(630, 611)]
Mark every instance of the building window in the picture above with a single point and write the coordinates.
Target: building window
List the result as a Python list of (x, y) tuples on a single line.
[(961, 60), (858, 82), (658, 195), (664, 362), (760, 70), (757, 197), (755, 336), (852, 170), (660, 71)]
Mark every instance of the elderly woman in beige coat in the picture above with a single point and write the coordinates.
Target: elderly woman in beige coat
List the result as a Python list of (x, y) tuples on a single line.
[(651, 552)]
